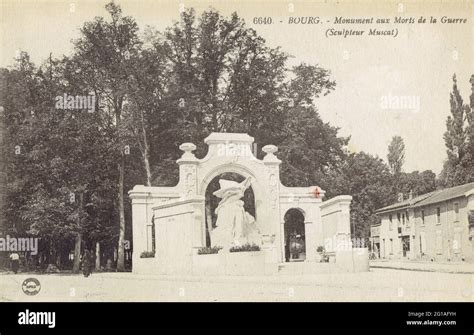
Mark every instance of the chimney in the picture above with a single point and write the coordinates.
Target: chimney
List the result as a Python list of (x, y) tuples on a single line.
[(400, 197)]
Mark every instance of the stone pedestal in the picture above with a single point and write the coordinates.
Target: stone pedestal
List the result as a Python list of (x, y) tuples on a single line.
[(355, 260)]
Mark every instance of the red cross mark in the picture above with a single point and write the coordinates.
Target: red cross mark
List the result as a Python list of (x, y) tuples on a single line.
[(317, 192)]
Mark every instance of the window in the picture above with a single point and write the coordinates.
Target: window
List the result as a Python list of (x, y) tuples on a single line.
[(391, 246), (403, 219), (422, 242), (439, 242), (398, 218), (457, 242), (390, 222), (456, 211), (408, 217), (438, 215), (422, 218)]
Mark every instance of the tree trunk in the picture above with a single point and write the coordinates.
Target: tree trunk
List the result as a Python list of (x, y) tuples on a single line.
[(77, 253), (77, 246), (97, 256), (121, 246), (146, 156), (147, 169)]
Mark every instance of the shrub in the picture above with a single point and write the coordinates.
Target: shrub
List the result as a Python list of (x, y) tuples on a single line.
[(245, 247), (147, 254), (324, 256), (209, 250)]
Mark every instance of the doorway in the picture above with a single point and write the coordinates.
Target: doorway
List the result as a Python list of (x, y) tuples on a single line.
[(295, 241), (406, 245)]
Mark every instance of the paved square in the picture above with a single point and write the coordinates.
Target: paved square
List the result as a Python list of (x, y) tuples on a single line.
[(376, 285)]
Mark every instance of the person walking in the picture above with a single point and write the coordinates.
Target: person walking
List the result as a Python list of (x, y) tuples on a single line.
[(15, 261), (86, 263)]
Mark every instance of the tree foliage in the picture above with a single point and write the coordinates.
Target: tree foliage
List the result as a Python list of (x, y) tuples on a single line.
[(396, 155), (459, 139)]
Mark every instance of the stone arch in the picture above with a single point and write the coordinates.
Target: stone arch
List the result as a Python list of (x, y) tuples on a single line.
[(299, 209), (211, 202), (257, 188), (234, 168)]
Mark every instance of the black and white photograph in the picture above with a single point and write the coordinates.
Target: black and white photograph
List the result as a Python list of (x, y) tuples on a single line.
[(237, 151)]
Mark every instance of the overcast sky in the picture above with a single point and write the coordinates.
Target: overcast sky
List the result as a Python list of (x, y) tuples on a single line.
[(370, 72)]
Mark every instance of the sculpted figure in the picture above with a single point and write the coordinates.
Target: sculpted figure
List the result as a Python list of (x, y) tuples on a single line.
[(234, 225)]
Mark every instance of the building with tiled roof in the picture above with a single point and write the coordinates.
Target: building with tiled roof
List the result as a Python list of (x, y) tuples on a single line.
[(436, 226)]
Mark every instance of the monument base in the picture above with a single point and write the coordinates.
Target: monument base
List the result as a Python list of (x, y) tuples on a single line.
[(251, 263), (355, 260)]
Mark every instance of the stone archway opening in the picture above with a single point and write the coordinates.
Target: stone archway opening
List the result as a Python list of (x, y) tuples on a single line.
[(211, 201), (295, 240)]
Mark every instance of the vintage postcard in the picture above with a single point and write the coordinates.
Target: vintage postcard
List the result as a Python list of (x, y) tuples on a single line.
[(244, 151)]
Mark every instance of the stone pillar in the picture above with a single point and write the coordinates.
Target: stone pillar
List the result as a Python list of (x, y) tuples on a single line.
[(270, 250), (141, 217), (271, 229), (310, 240), (188, 171), (335, 213), (314, 230), (188, 185)]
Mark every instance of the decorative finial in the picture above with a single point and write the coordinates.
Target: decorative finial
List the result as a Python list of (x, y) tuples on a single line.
[(188, 149), (270, 151)]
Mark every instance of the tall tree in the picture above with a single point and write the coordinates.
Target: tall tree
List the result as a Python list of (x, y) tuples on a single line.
[(225, 78), (459, 166), (103, 56), (52, 192), (396, 155)]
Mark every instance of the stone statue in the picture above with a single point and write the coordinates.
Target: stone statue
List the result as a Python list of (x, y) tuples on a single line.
[(234, 226)]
